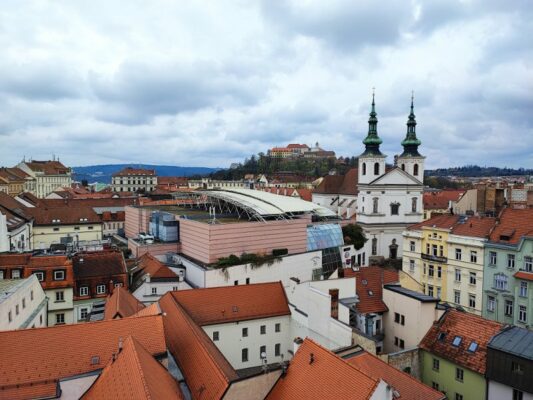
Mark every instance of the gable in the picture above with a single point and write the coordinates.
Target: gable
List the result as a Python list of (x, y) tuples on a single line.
[(396, 176)]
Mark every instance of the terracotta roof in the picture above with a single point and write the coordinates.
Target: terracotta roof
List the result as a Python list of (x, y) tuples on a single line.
[(90, 202), (48, 264), (48, 167), (528, 276), (104, 263), (369, 283), (172, 180), (12, 175), (297, 146), (14, 259), (11, 204), (407, 386), (64, 215), (121, 304), (148, 264), (475, 227), (37, 358), (441, 200), (207, 372), (514, 224), (128, 171), (134, 375), (234, 303), (152, 309), (443, 221), (469, 328), (317, 373), (339, 184)]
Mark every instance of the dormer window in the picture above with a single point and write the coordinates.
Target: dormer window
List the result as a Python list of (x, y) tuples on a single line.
[(457, 341), (59, 275), (441, 336), (473, 346)]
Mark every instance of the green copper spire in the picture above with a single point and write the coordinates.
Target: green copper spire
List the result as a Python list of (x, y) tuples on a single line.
[(410, 143), (372, 140)]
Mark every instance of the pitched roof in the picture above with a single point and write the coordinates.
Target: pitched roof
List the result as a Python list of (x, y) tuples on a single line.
[(234, 303), (37, 358), (514, 340), (12, 205), (470, 328), (369, 283), (148, 264), (152, 309), (128, 171), (339, 184), (207, 372), (64, 215), (121, 304), (475, 227), (442, 221), (514, 223), (317, 373), (103, 263), (48, 167), (134, 375), (14, 259), (407, 386), (441, 200)]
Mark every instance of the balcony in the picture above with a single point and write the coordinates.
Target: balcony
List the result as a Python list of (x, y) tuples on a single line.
[(430, 257)]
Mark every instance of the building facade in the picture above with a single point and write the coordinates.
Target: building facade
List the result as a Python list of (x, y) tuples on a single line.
[(46, 176), (134, 180)]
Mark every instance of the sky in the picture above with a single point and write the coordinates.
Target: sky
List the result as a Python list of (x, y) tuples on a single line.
[(208, 83)]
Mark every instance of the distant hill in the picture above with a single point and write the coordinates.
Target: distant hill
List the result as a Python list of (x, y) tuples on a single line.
[(103, 173), (477, 171)]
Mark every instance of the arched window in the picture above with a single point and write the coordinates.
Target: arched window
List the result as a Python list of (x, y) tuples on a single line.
[(415, 170), (394, 208), (375, 205), (376, 169), (403, 167), (413, 204), (364, 168), (374, 246)]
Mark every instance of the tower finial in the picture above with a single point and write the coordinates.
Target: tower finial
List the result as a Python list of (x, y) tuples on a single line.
[(372, 140), (411, 142), (412, 100)]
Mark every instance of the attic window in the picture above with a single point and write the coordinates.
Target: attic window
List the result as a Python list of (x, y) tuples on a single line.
[(473, 347), (507, 234), (441, 336), (95, 360), (457, 341)]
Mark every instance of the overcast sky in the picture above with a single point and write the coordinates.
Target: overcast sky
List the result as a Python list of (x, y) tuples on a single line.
[(208, 83)]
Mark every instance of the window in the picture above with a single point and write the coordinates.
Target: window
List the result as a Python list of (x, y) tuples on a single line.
[(518, 394), (262, 349), (439, 272), (457, 297), (473, 278), (244, 355), (441, 251), (397, 318), (491, 303), (60, 296), (457, 341), (15, 274), (236, 283), (59, 275), (100, 289), (472, 300), (459, 374), (424, 268), (374, 246), (396, 341), (10, 316), (60, 319), (90, 227), (278, 327), (17, 309), (473, 346), (510, 260), (523, 289), (458, 254), (247, 281), (412, 245), (473, 256), (435, 252), (517, 368), (438, 292), (376, 168), (412, 265), (84, 291), (154, 290), (402, 320), (31, 295), (277, 349), (493, 258), (436, 364), (435, 385), (500, 282), (364, 168), (263, 329), (457, 275), (39, 275), (431, 270), (413, 204), (244, 332), (522, 314), (528, 264), (83, 313), (430, 290), (215, 336), (1, 274), (402, 344), (23, 302), (394, 209), (375, 205), (415, 170), (458, 396), (56, 229), (509, 308)]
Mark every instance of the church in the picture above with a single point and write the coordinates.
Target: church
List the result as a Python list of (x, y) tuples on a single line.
[(384, 199)]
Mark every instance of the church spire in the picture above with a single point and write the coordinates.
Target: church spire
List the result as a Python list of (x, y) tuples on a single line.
[(372, 140), (410, 143)]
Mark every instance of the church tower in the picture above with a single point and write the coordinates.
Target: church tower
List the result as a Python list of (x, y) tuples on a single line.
[(372, 161), (411, 161)]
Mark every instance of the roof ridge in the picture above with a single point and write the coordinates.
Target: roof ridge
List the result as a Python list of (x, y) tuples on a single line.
[(139, 365)]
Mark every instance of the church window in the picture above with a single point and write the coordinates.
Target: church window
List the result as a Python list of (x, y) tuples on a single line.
[(413, 204), (374, 246), (376, 169), (415, 170), (394, 209), (375, 205), (364, 168), (403, 167)]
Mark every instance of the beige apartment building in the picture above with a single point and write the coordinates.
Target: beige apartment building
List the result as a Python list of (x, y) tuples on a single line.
[(134, 180), (45, 176)]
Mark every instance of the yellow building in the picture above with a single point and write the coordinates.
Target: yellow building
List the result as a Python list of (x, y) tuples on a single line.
[(445, 254)]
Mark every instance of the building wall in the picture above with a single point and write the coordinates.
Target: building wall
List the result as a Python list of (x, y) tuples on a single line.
[(468, 202), (144, 292), (137, 220), (499, 391), (4, 240), (21, 299), (231, 340), (155, 249), (255, 387), (345, 206), (20, 239), (207, 243), (473, 386), (407, 361), (44, 236), (133, 183), (65, 307)]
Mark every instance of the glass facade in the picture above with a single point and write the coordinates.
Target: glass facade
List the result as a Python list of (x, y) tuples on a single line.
[(324, 236)]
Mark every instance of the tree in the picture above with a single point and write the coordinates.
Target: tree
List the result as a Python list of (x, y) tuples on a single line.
[(353, 234)]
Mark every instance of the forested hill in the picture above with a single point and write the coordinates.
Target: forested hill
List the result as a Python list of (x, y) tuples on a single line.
[(475, 170)]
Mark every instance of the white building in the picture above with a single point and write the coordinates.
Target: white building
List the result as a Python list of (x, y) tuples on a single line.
[(46, 176), (16, 225), (134, 180), (23, 304)]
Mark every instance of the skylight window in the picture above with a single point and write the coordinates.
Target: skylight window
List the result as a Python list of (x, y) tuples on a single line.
[(457, 341), (473, 346), (441, 337)]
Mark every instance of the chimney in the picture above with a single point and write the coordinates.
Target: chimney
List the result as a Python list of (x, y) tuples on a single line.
[(334, 293), (111, 286), (297, 343)]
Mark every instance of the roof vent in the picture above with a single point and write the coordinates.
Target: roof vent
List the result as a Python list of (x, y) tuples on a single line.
[(80, 260), (95, 360), (311, 358)]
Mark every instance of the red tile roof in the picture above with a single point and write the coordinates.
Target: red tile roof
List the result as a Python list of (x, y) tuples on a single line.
[(408, 387), (48, 167), (463, 226), (528, 276), (148, 264), (102, 263), (234, 303), (64, 215), (129, 171), (443, 221), (121, 304), (514, 224), (339, 184), (441, 200), (317, 373), (19, 260), (152, 309), (40, 357), (369, 283), (297, 146), (470, 328), (206, 370), (134, 375)]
